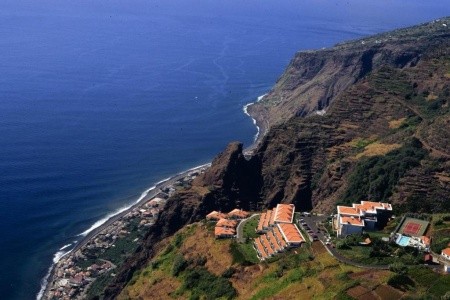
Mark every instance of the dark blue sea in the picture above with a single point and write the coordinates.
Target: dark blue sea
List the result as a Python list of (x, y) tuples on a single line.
[(101, 99)]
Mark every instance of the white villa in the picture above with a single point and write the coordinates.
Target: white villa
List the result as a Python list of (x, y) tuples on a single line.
[(365, 216)]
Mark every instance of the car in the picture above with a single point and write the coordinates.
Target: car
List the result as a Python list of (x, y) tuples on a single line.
[(315, 238), (302, 220)]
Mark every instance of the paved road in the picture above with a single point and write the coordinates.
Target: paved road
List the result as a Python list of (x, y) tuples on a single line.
[(240, 229), (312, 222)]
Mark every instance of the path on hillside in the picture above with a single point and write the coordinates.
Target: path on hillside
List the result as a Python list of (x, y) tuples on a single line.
[(240, 229)]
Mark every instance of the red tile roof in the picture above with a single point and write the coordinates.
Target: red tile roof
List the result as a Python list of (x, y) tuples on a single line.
[(226, 223), (370, 205), (223, 231), (238, 213), (266, 245), (284, 213), (260, 248), (215, 215), (261, 222), (267, 219), (425, 240), (446, 251), (291, 233), (352, 221), (279, 237), (273, 241), (347, 210)]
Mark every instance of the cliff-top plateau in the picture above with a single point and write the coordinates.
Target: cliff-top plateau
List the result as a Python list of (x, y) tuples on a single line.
[(366, 119)]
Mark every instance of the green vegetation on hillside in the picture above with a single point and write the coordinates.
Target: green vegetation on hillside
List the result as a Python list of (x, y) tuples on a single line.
[(375, 177)]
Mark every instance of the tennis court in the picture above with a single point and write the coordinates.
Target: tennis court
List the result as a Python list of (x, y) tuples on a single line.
[(413, 227)]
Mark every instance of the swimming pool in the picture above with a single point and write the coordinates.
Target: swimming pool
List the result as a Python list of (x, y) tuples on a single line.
[(403, 241)]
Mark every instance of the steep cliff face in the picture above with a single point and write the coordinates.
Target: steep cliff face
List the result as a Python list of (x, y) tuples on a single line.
[(314, 79), (385, 136), (230, 182)]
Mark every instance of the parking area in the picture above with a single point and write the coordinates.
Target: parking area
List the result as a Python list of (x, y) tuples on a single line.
[(311, 225)]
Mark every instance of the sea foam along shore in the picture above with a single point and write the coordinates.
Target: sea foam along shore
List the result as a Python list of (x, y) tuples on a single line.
[(110, 218), (245, 109)]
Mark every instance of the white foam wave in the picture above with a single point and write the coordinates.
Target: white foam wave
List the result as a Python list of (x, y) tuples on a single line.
[(261, 97), (65, 246), (245, 109), (124, 208), (104, 220), (56, 257)]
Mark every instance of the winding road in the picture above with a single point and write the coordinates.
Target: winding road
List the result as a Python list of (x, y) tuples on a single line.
[(240, 228)]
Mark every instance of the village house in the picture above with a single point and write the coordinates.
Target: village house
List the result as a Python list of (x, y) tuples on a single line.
[(368, 215), (215, 216), (446, 253), (225, 228), (279, 232), (281, 237), (224, 232), (283, 213), (238, 214)]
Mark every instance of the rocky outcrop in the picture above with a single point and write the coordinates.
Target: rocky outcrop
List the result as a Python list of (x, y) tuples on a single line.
[(230, 182), (314, 79), (379, 91)]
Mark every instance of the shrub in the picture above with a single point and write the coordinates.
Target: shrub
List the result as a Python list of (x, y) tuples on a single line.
[(228, 272), (200, 281), (342, 244), (438, 222), (401, 282), (378, 175), (179, 264), (398, 267)]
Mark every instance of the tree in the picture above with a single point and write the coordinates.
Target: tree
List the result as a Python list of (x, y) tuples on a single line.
[(398, 267)]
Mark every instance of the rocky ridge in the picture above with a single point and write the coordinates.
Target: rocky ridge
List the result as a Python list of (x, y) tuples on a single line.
[(387, 115)]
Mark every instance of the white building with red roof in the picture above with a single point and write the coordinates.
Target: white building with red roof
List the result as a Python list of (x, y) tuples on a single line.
[(367, 215), (238, 214), (446, 253)]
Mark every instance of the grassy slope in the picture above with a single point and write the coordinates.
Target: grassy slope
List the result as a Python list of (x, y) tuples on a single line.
[(308, 271)]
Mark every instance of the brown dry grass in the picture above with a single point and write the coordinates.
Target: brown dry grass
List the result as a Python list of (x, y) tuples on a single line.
[(159, 286), (377, 148), (202, 243), (396, 123), (386, 292), (202, 191), (245, 279), (357, 291)]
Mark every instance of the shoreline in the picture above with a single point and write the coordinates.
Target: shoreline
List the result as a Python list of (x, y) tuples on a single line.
[(150, 193), (261, 128)]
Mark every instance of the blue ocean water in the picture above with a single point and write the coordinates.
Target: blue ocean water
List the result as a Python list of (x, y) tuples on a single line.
[(101, 99)]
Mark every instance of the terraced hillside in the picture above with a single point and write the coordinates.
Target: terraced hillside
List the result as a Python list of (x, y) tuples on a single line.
[(384, 136)]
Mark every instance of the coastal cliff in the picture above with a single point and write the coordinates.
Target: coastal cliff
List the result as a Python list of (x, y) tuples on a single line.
[(314, 79), (384, 136)]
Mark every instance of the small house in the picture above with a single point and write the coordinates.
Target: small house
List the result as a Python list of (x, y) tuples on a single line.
[(446, 253)]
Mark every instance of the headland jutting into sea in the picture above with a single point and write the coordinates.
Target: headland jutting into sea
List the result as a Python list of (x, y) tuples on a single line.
[(74, 271)]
